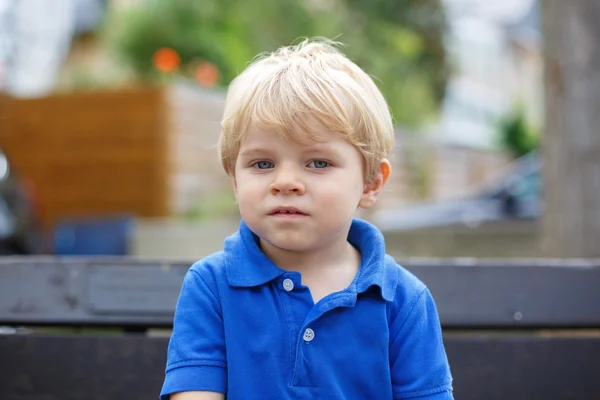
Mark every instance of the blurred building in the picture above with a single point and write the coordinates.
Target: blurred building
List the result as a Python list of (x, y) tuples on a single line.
[(496, 51), (35, 38)]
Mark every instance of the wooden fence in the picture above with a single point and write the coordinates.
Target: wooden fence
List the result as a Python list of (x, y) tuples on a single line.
[(91, 153)]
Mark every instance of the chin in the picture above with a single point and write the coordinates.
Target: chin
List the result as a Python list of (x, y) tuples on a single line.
[(290, 244)]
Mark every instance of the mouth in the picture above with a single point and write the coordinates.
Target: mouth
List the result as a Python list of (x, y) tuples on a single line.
[(287, 212)]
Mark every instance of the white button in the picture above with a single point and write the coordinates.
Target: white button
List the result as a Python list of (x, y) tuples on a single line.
[(288, 284), (309, 335)]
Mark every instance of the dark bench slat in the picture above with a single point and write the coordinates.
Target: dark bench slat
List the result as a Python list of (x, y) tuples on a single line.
[(128, 292), (514, 293), (491, 367)]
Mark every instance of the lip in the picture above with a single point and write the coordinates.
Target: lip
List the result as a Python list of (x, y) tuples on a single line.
[(287, 212)]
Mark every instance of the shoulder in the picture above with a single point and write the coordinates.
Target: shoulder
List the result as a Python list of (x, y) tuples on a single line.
[(202, 287), (410, 293), (408, 286), (209, 271), (213, 264)]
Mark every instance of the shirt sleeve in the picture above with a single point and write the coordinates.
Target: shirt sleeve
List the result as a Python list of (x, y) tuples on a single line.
[(418, 361), (196, 354)]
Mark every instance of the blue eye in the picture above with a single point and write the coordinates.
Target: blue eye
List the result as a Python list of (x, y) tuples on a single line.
[(263, 164), (318, 164)]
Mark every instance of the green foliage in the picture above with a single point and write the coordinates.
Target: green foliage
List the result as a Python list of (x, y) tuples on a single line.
[(398, 42), (517, 135), (220, 204)]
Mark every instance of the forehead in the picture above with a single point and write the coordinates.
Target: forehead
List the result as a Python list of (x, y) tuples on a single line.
[(310, 135)]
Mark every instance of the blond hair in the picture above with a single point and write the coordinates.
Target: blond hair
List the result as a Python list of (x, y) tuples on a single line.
[(284, 90)]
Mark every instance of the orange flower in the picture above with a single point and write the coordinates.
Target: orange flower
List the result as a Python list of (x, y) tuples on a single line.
[(166, 59), (206, 74)]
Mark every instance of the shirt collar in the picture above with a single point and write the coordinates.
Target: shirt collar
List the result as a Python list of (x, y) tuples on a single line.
[(374, 268), (248, 266)]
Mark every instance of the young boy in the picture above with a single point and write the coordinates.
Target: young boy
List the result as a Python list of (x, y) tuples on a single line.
[(303, 302)]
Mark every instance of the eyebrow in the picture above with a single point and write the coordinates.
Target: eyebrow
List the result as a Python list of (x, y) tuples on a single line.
[(320, 148), (308, 149), (253, 152)]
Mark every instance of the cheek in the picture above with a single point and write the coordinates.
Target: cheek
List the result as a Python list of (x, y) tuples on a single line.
[(248, 189), (247, 199), (340, 190)]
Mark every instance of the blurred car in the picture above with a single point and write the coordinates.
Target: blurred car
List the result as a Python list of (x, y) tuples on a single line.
[(516, 195), (19, 213)]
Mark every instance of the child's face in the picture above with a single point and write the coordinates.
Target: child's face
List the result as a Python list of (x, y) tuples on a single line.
[(300, 197)]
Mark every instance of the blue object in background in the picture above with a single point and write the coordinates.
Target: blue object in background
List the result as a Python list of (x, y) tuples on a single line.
[(102, 236)]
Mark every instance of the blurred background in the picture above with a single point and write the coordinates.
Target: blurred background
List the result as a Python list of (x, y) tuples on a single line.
[(110, 110)]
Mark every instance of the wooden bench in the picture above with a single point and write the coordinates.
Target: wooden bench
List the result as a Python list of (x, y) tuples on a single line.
[(513, 329)]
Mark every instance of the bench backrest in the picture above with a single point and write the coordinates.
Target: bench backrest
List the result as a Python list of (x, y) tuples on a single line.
[(513, 329)]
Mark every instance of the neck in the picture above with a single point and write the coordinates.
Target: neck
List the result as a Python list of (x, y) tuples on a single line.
[(337, 253)]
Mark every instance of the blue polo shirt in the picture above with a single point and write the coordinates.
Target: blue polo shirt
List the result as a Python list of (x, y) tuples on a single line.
[(249, 329)]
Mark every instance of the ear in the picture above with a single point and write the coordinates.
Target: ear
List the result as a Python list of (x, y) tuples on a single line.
[(374, 187)]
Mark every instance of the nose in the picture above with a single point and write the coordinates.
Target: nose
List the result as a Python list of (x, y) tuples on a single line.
[(287, 180)]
